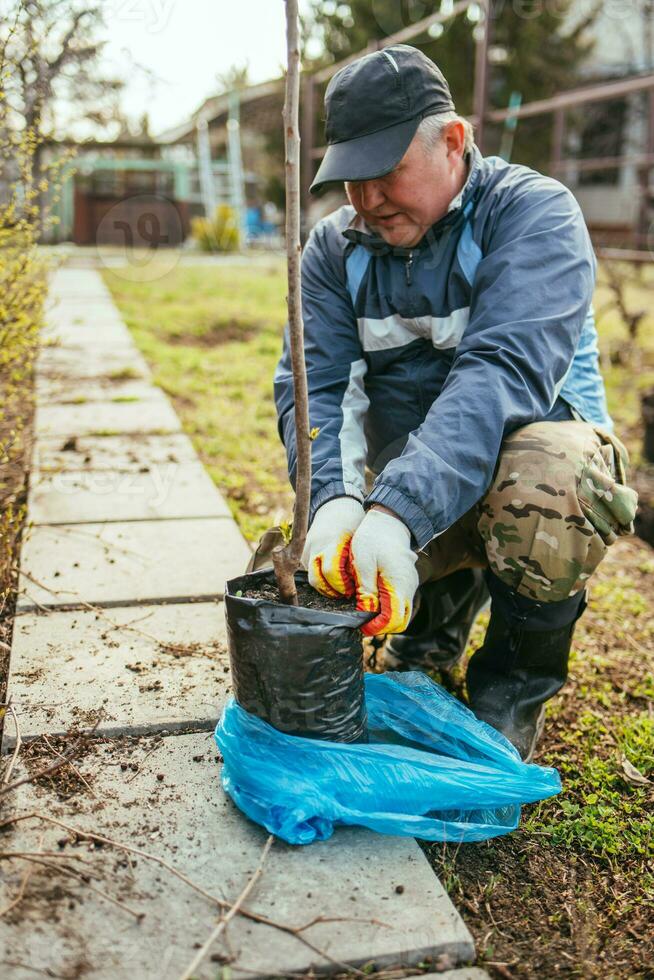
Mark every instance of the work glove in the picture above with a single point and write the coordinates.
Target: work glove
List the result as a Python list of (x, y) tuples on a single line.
[(326, 554), (383, 565)]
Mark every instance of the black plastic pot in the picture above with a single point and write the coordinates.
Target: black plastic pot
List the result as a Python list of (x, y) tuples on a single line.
[(299, 669)]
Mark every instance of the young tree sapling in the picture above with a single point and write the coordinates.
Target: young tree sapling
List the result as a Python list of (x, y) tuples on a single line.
[(287, 558)]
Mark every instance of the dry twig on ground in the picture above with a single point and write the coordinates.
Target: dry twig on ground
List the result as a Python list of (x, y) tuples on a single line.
[(48, 770), (70, 872), (202, 952), (17, 899), (70, 764)]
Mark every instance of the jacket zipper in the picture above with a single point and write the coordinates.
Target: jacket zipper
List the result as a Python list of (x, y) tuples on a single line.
[(407, 268)]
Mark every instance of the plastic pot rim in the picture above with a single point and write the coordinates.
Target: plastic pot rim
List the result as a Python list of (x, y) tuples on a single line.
[(295, 613)]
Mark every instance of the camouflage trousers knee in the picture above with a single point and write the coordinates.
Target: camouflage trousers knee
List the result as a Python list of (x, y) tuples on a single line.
[(558, 499)]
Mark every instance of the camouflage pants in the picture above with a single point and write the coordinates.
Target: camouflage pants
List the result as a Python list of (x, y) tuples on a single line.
[(557, 501)]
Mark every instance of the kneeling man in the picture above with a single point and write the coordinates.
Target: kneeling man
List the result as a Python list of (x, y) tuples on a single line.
[(451, 349)]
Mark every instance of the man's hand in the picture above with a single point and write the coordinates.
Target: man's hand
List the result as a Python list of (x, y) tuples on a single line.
[(326, 553), (383, 565)]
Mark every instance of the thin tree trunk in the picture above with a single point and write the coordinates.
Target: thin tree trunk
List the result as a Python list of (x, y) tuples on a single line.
[(286, 560)]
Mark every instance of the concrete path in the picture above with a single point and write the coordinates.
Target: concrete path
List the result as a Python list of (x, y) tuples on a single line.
[(120, 626)]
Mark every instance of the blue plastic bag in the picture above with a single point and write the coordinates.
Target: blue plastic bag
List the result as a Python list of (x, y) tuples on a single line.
[(431, 769)]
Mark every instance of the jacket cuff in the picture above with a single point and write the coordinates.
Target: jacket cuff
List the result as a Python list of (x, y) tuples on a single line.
[(407, 510), (334, 489)]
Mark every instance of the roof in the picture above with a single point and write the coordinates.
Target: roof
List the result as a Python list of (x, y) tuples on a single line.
[(217, 106)]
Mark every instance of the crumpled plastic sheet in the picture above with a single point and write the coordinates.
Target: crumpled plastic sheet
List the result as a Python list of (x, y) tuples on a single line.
[(430, 769)]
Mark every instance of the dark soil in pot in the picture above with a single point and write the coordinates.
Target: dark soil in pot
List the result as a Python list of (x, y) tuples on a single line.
[(300, 668), (307, 596)]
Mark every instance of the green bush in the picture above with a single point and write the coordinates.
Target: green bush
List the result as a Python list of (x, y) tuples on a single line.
[(219, 233), (23, 284)]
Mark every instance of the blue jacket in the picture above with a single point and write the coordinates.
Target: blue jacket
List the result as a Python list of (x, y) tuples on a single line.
[(421, 360)]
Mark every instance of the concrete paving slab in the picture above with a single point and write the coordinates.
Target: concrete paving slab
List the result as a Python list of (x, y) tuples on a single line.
[(127, 562), (154, 414), (161, 668), (77, 362), (91, 311), (84, 311), (124, 453), (69, 282), (80, 301), (73, 329), (109, 334), (160, 490), (171, 805), (83, 290), (67, 390)]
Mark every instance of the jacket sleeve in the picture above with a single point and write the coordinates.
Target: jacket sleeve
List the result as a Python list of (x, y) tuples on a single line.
[(335, 374), (530, 295)]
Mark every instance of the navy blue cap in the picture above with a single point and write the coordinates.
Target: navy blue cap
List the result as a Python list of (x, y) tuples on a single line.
[(373, 107)]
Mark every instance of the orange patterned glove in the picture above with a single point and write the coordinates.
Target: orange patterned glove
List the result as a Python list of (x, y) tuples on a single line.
[(326, 555), (383, 565)]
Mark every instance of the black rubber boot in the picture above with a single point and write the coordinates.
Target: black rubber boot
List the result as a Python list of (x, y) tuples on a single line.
[(437, 635), (522, 664)]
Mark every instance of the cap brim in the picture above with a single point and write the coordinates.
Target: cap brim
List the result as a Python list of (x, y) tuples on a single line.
[(366, 157)]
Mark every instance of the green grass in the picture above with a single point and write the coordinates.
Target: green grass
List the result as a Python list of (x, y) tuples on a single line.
[(213, 336), (546, 898), (604, 723), (626, 381)]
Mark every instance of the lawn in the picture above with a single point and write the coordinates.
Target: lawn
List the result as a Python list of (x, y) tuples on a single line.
[(212, 336), (570, 893)]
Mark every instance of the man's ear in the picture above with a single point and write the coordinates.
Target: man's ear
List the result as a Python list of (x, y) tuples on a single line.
[(454, 136)]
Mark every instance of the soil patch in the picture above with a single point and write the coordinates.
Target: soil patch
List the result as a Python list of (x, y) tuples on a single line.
[(212, 650), (308, 598), (70, 778), (536, 913), (215, 335), (569, 893)]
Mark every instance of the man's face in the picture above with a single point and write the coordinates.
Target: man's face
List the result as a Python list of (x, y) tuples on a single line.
[(405, 203)]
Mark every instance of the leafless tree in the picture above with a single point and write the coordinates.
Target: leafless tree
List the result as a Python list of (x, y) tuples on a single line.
[(53, 55)]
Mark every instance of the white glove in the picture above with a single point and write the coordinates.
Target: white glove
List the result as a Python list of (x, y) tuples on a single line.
[(326, 554), (383, 564)]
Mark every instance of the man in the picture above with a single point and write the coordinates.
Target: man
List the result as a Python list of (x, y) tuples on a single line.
[(451, 348)]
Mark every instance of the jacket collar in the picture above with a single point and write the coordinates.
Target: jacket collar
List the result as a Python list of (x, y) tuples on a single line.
[(360, 233)]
